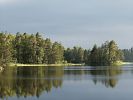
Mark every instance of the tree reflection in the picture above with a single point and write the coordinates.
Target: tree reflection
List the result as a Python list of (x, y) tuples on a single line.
[(106, 75), (33, 81), (29, 81)]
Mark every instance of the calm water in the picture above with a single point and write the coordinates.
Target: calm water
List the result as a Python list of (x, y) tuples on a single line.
[(67, 83)]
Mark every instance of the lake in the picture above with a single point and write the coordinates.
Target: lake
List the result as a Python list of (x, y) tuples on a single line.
[(67, 83)]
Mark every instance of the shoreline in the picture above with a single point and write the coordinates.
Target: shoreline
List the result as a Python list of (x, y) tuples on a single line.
[(43, 65), (120, 63), (56, 65)]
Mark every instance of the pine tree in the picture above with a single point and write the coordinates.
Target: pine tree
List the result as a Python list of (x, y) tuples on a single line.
[(6, 48), (57, 53), (94, 55), (47, 51)]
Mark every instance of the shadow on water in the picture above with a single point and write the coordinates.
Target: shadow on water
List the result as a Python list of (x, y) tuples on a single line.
[(33, 81)]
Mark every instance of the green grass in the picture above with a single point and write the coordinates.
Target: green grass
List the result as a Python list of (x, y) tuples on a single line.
[(119, 63)]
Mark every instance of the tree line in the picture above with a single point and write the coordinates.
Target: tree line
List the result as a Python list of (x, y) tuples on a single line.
[(128, 54), (106, 54), (29, 48), (34, 49)]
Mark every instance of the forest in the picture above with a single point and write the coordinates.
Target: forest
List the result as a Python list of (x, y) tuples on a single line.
[(27, 48), (128, 54)]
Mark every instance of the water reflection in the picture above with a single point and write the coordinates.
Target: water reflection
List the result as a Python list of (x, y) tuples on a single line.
[(28, 81), (106, 75), (34, 81)]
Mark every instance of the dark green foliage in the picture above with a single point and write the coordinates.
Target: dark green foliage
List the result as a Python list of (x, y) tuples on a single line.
[(75, 55), (107, 54), (6, 48), (128, 54), (33, 49), (86, 56), (47, 58), (57, 53), (94, 56), (29, 49), (68, 54)]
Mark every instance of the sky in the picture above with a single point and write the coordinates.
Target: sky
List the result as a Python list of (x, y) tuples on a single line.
[(71, 22)]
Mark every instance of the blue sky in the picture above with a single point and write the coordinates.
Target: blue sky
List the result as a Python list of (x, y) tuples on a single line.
[(72, 22)]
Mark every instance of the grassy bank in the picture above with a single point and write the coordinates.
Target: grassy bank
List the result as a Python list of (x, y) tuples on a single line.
[(32, 65), (124, 63), (119, 63)]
